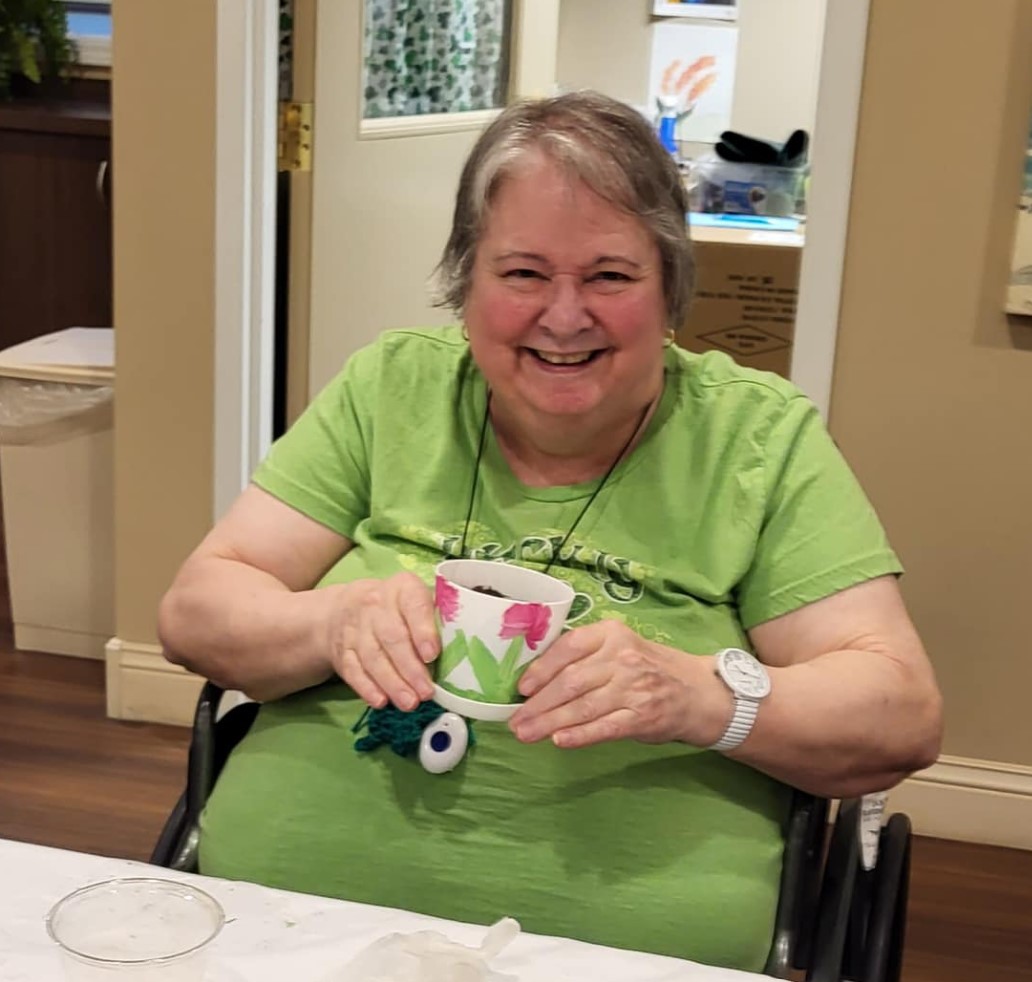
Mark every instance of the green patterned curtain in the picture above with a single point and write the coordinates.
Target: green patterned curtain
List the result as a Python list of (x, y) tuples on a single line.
[(286, 48), (434, 56)]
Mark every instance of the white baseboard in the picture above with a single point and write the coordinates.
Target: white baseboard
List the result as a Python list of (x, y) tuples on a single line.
[(55, 641), (143, 686), (983, 801)]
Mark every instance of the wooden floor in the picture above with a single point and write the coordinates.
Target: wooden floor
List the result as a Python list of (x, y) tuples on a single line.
[(69, 776), (72, 778)]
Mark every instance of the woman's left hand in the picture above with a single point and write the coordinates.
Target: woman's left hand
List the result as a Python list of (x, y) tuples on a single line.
[(604, 682)]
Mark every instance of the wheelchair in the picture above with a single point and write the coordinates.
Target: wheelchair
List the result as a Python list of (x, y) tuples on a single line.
[(836, 920)]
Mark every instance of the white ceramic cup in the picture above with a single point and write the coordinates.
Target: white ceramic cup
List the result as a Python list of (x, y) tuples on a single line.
[(140, 928), (488, 641)]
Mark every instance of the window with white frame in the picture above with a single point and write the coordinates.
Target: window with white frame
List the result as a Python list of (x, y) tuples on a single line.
[(89, 26)]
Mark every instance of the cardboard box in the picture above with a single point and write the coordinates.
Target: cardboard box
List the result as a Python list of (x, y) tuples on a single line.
[(746, 289)]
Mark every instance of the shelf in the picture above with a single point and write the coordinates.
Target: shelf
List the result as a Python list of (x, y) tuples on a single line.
[(695, 11)]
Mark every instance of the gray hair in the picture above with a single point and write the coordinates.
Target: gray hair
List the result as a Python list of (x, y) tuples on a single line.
[(603, 143)]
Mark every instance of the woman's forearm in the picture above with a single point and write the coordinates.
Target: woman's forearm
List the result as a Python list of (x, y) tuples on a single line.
[(244, 629), (845, 723)]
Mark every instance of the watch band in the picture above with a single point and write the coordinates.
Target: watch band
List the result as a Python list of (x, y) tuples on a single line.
[(740, 726)]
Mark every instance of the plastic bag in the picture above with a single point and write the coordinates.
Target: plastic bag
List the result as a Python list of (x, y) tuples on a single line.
[(427, 956), (36, 412)]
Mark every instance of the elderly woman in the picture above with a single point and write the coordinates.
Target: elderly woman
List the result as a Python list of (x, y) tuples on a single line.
[(636, 798)]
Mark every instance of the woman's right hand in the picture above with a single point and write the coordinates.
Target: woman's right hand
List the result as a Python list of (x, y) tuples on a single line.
[(382, 635)]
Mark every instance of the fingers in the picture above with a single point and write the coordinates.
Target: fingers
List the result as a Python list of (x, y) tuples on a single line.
[(575, 645), (572, 702), (388, 627), (391, 631), (387, 656), (416, 604), (606, 683), (575, 680), (617, 725), (350, 669)]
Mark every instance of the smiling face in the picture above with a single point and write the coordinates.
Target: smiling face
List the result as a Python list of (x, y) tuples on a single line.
[(565, 310)]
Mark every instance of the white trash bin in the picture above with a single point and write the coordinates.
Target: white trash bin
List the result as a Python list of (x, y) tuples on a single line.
[(57, 480)]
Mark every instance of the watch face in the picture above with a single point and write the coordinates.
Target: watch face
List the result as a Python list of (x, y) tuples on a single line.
[(745, 674)]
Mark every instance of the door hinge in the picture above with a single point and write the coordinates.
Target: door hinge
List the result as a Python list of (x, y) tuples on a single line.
[(294, 143)]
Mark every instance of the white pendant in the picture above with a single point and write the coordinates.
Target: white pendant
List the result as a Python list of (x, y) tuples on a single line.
[(443, 743)]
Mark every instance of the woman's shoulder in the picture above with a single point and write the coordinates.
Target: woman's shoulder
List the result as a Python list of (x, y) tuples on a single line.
[(446, 339), (717, 375), (712, 384), (401, 359), (417, 345)]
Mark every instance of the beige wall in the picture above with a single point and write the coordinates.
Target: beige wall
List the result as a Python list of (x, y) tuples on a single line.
[(932, 399), (605, 44), (163, 161)]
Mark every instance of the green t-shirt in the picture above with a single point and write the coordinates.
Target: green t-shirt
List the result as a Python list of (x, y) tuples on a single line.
[(734, 508)]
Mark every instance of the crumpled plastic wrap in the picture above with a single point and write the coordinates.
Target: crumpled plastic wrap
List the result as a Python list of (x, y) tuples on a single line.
[(427, 956), (37, 412)]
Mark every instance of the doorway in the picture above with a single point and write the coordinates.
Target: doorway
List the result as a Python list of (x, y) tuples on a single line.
[(335, 218)]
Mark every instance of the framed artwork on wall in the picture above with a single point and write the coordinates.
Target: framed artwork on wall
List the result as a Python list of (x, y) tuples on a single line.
[(691, 74), (701, 9), (1019, 288)]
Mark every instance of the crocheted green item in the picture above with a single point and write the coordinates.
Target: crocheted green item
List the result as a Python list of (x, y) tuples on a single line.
[(401, 731)]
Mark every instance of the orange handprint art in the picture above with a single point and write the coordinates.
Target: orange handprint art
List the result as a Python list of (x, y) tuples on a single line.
[(682, 90)]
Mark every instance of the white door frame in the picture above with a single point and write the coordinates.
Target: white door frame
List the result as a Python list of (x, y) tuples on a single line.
[(245, 120), (247, 76), (839, 85)]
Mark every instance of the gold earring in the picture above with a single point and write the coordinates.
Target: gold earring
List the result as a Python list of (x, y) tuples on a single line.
[(465, 333)]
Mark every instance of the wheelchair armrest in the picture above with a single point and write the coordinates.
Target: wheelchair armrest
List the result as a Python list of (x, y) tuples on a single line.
[(884, 910), (211, 742), (201, 770), (805, 834), (836, 897), (169, 844)]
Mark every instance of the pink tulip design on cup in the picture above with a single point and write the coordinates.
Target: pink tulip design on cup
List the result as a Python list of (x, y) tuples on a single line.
[(446, 599), (529, 620), (495, 618)]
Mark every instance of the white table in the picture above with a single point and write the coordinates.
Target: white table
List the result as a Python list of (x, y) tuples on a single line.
[(272, 935)]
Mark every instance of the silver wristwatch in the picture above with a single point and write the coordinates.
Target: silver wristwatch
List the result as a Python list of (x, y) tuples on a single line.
[(749, 682)]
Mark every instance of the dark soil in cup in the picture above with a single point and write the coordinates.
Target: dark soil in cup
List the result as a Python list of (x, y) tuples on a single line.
[(490, 591)]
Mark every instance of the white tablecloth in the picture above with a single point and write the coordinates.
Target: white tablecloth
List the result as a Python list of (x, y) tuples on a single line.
[(273, 935)]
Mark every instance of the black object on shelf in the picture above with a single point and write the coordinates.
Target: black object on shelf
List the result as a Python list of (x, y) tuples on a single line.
[(739, 148)]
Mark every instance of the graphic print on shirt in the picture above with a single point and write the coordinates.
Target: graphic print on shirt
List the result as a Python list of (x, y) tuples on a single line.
[(606, 585)]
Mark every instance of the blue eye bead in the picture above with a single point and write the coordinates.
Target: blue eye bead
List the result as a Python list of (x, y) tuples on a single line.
[(443, 743)]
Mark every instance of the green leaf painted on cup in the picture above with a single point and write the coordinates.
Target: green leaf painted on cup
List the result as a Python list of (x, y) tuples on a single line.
[(497, 680), (487, 671), (452, 655), (508, 669)]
